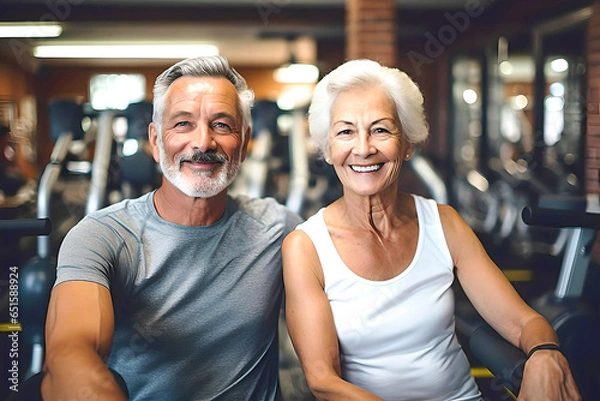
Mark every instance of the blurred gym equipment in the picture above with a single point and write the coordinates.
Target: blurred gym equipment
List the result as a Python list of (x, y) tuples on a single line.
[(573, 316)]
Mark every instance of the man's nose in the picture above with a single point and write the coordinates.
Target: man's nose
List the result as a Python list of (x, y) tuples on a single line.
[(203, 138)]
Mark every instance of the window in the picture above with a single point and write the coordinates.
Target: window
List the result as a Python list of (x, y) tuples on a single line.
[(116, 91)]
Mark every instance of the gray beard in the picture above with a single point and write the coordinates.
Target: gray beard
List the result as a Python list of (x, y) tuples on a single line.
[(201, 185)]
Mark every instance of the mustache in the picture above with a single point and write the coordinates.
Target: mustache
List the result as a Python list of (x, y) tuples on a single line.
[(198, 156)]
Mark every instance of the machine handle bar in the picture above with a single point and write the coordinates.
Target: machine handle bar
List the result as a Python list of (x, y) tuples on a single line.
[(499, 356), (25, 227), (560, 218)]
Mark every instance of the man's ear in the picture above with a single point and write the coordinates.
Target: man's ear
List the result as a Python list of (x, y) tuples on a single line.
[(153, 139), (246, 143)]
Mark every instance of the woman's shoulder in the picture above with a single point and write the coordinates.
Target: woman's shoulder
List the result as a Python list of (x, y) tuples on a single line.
[(452, 222), (448, 213), (313, 222), (445, 210), (308, 232), (300, 258)]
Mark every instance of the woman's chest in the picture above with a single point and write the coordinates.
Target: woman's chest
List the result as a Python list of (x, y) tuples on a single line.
[(375, 257)]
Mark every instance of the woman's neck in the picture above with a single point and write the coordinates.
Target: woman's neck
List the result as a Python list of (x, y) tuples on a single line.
[(379, 212)]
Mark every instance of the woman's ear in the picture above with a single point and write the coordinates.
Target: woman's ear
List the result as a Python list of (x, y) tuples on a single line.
[(409, 152)]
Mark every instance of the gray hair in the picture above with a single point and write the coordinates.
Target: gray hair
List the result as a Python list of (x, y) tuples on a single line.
[(357, 73), (209, 66)]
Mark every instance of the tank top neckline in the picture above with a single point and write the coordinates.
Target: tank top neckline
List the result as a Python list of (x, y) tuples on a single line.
[(340, 262)]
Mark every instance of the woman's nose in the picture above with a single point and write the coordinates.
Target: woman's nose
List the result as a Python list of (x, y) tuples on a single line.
[(363, 145)]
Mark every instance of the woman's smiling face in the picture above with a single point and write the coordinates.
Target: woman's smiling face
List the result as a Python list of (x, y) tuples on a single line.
[(367, 149)]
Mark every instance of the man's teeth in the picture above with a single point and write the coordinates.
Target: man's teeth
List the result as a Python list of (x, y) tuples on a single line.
[(366, 169)]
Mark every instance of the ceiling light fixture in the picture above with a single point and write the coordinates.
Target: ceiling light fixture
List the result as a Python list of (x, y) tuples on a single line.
[(294, 72), (29, 30), (122, 51), (297, 73)]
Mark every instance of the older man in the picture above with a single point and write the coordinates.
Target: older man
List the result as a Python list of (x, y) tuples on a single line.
[(179, 290)]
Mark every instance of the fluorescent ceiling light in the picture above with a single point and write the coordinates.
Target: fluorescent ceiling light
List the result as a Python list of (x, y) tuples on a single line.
[(29, 30), (163, 51), (297, 74)]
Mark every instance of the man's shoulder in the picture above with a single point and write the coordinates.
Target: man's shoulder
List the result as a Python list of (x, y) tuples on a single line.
[(124, 211), (266, 210)]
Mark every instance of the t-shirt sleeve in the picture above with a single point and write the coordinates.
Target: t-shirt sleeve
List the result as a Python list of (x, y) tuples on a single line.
[(88, 253), (292, 220), (269, 211)]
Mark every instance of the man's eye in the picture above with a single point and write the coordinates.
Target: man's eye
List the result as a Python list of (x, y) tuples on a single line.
[(221, 126), (182, 124)]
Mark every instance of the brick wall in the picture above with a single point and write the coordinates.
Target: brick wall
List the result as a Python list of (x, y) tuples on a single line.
[(371, 30), (592, 160), (593, 103)]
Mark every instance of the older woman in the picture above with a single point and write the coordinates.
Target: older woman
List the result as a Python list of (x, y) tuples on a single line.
[(368, 278)]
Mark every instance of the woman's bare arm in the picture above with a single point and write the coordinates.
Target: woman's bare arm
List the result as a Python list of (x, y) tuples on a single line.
[(310, 322), (547, 375)]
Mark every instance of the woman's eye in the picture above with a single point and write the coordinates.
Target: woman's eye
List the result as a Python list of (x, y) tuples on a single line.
[(345, 132), (381, 130)]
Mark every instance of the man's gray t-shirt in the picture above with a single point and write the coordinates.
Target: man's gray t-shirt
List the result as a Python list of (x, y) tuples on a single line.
[(196, 307)]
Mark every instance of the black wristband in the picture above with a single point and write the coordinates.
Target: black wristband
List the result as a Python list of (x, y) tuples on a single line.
[(548, 346)]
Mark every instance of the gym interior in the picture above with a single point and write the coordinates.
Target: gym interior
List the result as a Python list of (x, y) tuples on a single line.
[(512, 97)]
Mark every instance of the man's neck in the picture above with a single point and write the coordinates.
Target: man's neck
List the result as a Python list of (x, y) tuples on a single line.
[(174, 206)]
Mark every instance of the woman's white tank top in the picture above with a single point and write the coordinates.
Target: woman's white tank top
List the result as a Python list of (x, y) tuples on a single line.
[(397, 337)]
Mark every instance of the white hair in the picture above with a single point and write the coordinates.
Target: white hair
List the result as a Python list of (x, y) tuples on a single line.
[(359, 73)]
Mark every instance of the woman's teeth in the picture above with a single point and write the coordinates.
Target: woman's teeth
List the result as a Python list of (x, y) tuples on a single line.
[(366, 169)]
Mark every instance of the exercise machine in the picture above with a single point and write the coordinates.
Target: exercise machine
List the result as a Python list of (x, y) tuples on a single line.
[(573, 315), (25, 290), (138, 172)]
